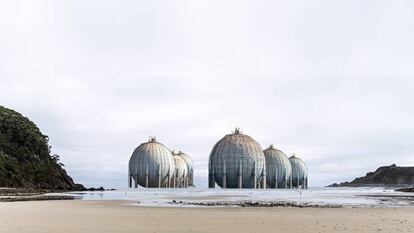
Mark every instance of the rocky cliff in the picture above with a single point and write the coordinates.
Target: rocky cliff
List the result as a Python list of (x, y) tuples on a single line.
[(25, 159), (383, 176)]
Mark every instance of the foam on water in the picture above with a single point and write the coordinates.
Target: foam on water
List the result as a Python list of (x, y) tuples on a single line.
[(348, 197)]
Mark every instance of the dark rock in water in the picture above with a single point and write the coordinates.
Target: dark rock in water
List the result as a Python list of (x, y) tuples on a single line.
[(80, 187), (407, 190), (95, 189), (37, 198), (383, 176), (25, 159), (248, 203)]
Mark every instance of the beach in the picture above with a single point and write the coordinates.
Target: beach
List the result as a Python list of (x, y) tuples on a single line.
[(72, 216)]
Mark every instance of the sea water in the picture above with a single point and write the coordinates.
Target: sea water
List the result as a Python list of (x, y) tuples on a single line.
[(347, 197)]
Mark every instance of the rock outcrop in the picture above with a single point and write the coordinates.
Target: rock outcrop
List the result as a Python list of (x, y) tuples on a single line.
[(383, 176), (406, 190), (25, 159)]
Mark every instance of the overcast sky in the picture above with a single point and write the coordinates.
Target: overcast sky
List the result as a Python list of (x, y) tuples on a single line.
[(332, 81)]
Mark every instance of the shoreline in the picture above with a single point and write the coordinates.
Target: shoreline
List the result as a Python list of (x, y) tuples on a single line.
[(317, 198)]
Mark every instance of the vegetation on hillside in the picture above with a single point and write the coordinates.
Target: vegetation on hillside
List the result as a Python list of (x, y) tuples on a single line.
[(392, 175), (25, 159)]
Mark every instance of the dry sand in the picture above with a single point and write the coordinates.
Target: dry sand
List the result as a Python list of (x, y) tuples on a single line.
[(117, 217)]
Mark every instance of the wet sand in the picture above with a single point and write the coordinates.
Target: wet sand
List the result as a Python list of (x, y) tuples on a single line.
[(121, 216)]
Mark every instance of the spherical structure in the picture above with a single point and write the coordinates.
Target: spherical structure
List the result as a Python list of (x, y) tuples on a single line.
[(187, 160), (189, 163), (299, 172), (151, 165), (237, 161), (181, 171), (278, 168)]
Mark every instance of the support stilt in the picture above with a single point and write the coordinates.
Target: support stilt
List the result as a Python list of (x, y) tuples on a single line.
[(168, 183), (276, 181), (264, 178), (224, 175), (136, 181), (297, 180), (211, 181), (191, 178), (159, 176), (177, 180), (254, 175), (240, 175), (146, 176)]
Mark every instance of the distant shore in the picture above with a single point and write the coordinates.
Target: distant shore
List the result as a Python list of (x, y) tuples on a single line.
[(127, 217)]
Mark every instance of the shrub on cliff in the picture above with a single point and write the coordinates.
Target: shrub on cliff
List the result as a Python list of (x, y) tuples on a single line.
[(25, 159)]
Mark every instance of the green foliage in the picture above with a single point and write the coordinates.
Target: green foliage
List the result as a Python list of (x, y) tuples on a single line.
[(25, 159)]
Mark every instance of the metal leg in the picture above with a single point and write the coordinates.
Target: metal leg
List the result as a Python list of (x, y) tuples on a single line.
[(276, 181), (240, 175), (191, 178), (224, 175), (159, 176), (254, 175), (146, 177), (297, 180), (212, 182)]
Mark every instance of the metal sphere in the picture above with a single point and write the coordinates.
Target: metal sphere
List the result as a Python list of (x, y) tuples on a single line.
[(299, 172), (181, 169), (278, 168), (153, 160), (234, 153), (189, 163), (187, 160)]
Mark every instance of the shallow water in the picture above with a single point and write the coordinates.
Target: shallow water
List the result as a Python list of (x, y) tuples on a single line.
[(347, 197)]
